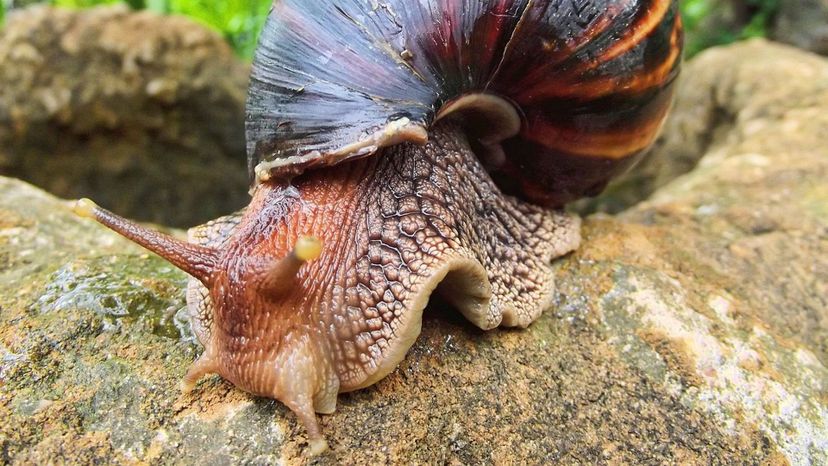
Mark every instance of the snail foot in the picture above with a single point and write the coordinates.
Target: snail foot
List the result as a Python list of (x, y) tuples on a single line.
[(204, 365), (316, 447)]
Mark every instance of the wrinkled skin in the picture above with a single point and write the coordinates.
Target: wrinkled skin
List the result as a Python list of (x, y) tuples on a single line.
[(395, 227)]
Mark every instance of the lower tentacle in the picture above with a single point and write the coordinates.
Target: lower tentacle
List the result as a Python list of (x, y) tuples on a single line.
[(204, 365)]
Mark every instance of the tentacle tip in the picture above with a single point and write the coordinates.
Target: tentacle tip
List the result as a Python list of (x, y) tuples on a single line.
[(186, 387), (316, 447), (85, 208), (308, 248)]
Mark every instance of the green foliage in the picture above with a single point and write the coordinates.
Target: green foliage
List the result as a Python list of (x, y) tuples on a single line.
[(761, 19), (238, 20), (716, 22)]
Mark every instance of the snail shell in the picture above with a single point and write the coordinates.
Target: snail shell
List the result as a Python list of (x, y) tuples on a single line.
[(560, 95)]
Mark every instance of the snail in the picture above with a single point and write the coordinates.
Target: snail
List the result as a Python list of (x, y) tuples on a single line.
[(401, 147)]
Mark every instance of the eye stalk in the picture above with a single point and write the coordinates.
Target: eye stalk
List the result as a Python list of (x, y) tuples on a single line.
[(278, 277), (198, 261)]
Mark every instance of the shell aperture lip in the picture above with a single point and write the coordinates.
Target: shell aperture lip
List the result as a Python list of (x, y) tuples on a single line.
[(395, 132)]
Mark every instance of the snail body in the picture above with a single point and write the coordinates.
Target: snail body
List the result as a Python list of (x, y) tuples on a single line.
[(401, 147)]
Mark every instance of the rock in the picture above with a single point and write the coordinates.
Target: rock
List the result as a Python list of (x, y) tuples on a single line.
[(141, 112), (691, 329), (803, 23)]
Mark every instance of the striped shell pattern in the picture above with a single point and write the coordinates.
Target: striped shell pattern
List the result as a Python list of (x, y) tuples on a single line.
[(590, 80)]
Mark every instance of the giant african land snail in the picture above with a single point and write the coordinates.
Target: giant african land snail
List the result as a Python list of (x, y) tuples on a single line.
[(426, 144)]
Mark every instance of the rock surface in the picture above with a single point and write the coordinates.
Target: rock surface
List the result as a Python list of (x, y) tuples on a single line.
[(690, 329), (803, 23), (103, 102)]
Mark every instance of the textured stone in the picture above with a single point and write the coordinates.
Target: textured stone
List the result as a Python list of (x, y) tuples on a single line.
[(132, 109), (803, 23), (690, 329)]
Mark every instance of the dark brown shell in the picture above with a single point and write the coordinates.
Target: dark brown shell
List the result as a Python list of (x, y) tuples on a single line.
[(591, 81)]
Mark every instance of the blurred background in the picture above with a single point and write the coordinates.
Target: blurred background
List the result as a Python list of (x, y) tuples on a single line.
[(140, 104), (238, 21)]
